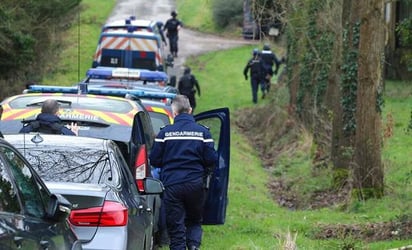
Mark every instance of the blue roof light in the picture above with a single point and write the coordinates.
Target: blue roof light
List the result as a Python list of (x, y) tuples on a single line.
[(126, 74), (99, 91)]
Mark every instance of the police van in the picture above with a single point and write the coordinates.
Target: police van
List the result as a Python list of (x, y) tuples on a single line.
[(132, 43)]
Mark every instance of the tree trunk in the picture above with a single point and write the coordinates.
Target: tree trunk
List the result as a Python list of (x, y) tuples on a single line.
[(368, 167), (341, 153)]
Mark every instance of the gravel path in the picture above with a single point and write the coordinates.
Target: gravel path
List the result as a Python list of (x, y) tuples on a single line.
[(190, 42)]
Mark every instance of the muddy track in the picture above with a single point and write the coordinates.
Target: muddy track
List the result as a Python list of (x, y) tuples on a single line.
[(191, 43)]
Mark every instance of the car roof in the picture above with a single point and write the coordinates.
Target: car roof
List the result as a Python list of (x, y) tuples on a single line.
[(98, 116), (142, 34)]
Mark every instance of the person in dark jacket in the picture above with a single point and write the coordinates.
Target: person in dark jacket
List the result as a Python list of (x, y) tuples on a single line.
[(185, 153), (255, 66), (172, 27), (269, 61), (48, 121), (188, 85)]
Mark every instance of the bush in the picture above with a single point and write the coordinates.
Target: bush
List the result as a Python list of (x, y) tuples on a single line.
[(28, 30), (228, 12)]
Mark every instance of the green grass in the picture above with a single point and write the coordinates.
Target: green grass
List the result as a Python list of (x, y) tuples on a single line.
[(203, 22), (254, 220), (80, 43)]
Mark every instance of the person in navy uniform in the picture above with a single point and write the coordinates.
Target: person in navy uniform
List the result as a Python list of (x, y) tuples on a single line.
[(188, 86), (269, 61), (48, 122), (172, 27), (185, 153), (255, 66)]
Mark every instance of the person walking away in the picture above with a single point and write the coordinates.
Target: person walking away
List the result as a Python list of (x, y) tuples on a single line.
[(172, 27), (255, 67), (48, 122), (188, 85), (185, 152), (269, 60)]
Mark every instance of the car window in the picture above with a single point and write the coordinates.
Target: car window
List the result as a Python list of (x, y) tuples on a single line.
[(148, 129), (73, 164), (26, 183), (130, 182), (214, 125), (158, 120), (8, 195)]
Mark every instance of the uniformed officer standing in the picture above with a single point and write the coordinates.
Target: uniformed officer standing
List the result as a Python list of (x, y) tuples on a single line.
[(269, 60), (188, 86), (185, 153), (255, 66), (172, 27)]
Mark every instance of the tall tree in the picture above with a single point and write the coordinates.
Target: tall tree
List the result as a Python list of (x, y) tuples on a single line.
[(368, 167), (354, 79)]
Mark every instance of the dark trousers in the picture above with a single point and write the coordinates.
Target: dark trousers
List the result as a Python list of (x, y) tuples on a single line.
[(255, 82), (184, 209), (192, 99), (173, 44)]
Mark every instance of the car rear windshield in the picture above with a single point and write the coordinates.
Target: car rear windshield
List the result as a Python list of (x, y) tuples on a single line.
[(73, 164), (80, 102)]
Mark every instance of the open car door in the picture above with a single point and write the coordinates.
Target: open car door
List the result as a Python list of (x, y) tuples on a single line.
[(218, 121)]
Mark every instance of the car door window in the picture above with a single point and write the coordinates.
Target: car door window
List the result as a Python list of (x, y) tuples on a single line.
[(214, 125), (26, 183), (9, 201), (130, 182)]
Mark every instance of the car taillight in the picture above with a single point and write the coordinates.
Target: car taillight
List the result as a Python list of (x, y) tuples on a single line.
[(141, 167), (112, 214)]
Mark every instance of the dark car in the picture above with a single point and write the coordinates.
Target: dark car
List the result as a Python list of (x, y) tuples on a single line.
[(30, 216), (108, 211), (107, 117)]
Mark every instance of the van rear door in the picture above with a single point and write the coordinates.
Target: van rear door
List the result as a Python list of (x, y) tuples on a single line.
[(140, 50)]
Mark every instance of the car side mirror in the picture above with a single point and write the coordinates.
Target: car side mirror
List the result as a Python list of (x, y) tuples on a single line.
[(153, 186), (58, 208)]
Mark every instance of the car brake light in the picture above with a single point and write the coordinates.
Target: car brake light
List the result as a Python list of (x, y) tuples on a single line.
[(141, 167), (112, 214)]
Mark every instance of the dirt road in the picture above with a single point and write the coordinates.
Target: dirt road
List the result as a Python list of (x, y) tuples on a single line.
[(190, 42)]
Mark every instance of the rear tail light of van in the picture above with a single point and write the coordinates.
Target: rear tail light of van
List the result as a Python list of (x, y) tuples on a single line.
[(111, 214)]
